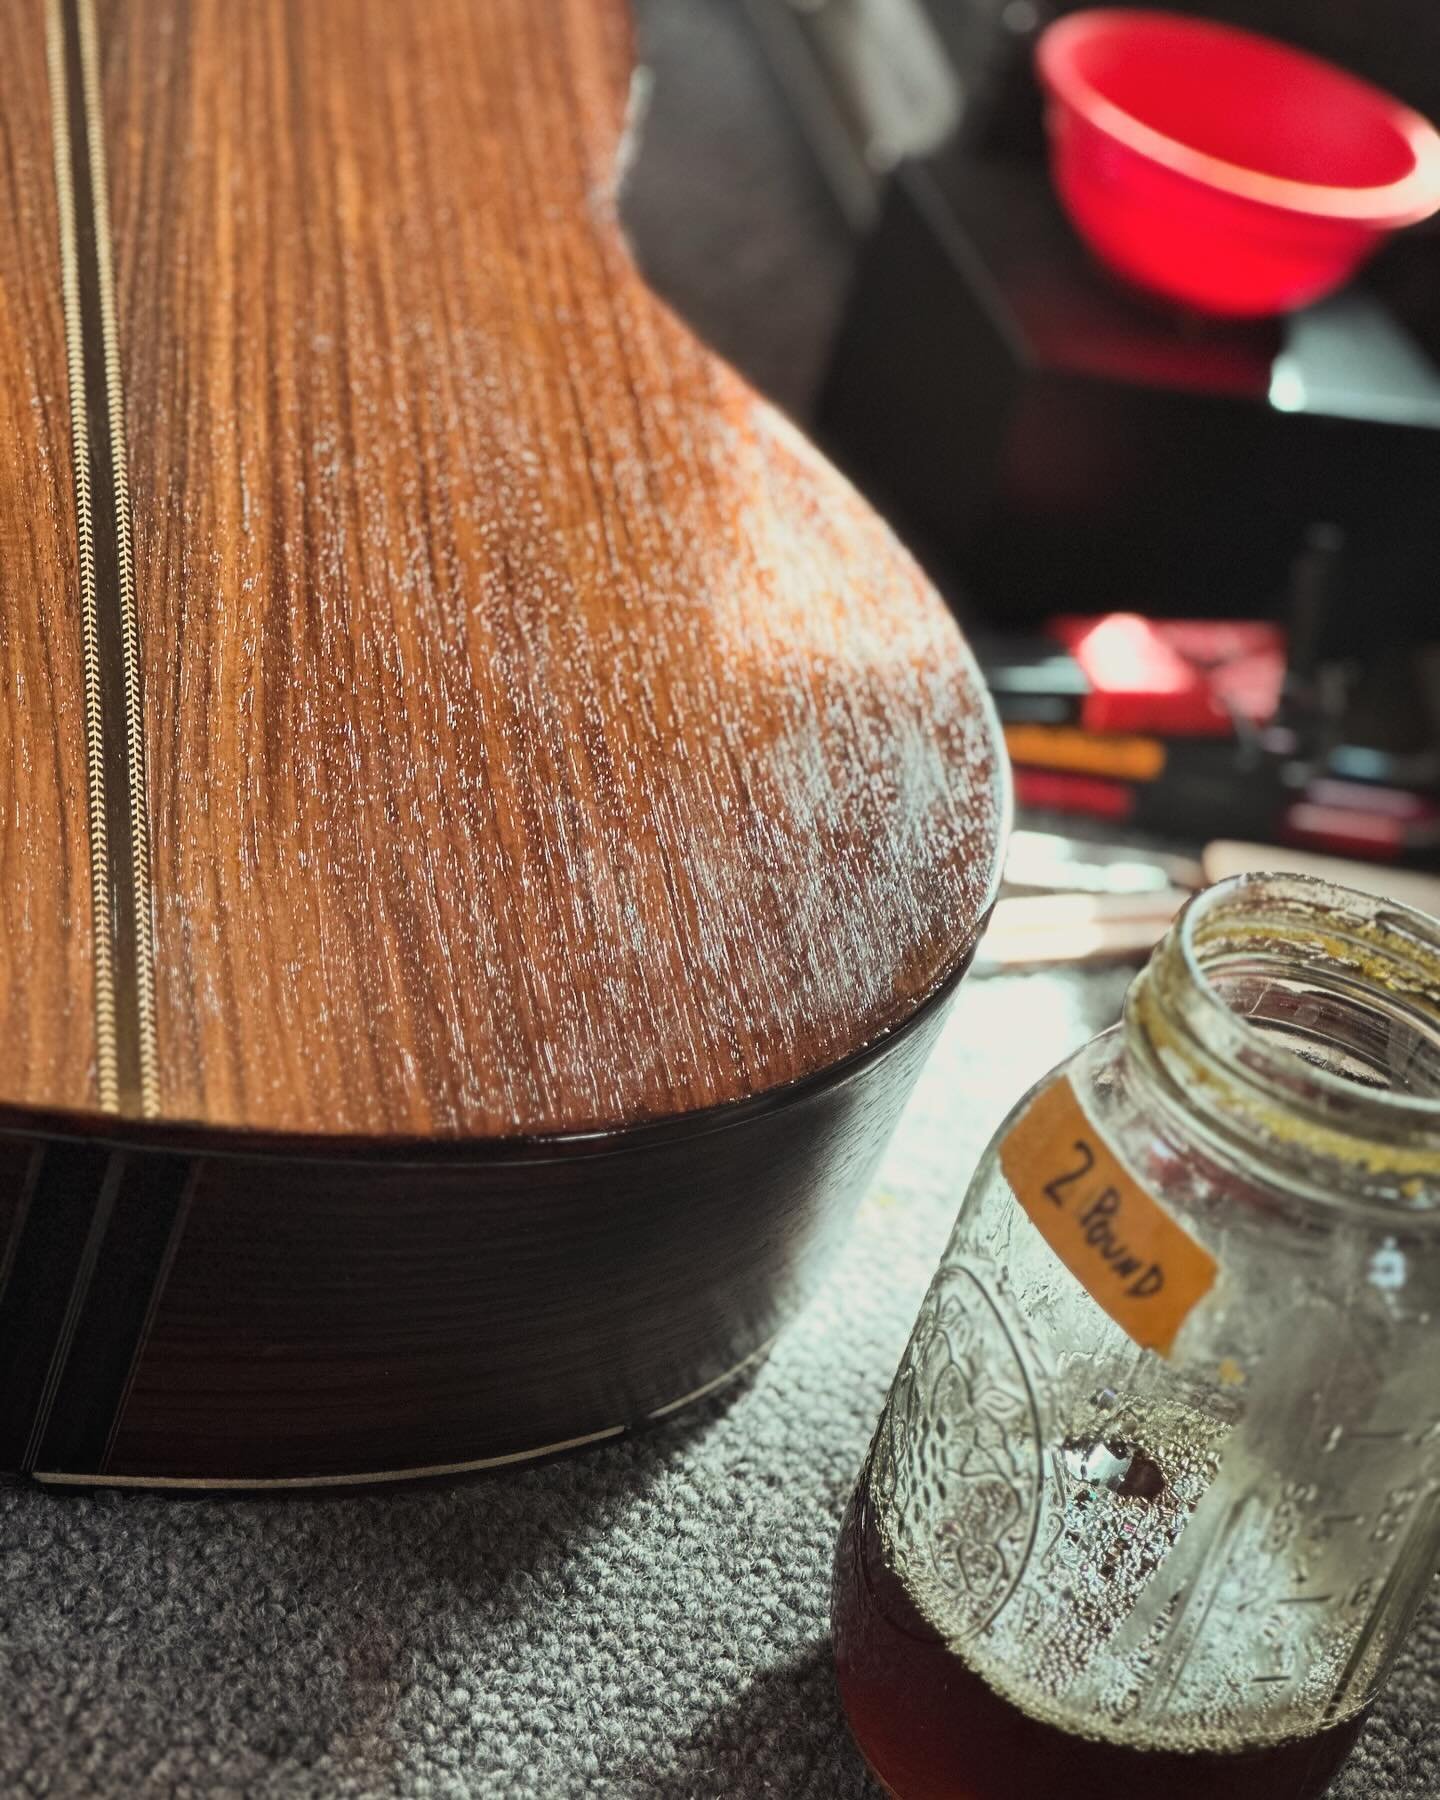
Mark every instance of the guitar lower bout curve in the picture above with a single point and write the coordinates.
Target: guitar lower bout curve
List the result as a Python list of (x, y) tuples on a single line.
[(496, 817)]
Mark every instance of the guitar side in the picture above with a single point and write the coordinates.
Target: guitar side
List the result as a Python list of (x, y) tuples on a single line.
[(495, 817)]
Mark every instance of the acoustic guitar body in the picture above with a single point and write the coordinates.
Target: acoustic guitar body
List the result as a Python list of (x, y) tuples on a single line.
[(490, 818)]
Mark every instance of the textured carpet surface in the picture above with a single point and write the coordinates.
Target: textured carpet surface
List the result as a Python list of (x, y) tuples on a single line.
[(648, 1620)]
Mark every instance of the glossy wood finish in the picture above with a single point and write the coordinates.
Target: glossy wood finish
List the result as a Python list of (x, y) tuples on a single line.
[(256, 1321), (323, 1320), (541, 737), (568, 806), (47, 1011)]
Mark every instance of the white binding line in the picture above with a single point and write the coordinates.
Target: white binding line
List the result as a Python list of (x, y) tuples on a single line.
[(217, 1483)]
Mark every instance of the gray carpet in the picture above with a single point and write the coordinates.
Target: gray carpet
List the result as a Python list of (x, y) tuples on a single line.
[(648, 1620)]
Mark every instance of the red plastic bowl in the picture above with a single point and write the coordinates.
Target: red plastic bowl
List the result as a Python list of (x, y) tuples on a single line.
[(1222, 169)]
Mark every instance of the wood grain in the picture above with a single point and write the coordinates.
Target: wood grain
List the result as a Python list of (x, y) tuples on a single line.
[(541, 737), (47, 1027), (324, 1320), (569, 808)]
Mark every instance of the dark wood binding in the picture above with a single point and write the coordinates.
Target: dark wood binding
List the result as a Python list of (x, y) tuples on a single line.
[(483, 1313), (560, 808)]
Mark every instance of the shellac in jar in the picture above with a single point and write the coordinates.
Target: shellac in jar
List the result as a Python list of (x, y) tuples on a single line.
[(1157, 1487)]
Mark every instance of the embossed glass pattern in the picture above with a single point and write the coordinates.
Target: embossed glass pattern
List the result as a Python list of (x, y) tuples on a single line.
[(1071, 1556)]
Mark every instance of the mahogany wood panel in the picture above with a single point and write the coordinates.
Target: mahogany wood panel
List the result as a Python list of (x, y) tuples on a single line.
[(534, 808), (332, 1319), (541, 737), (47, 1028)]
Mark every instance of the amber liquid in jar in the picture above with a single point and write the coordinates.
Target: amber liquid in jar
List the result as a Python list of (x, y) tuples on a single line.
[(931, 1728)]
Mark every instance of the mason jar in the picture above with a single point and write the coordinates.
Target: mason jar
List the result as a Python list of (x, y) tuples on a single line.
[(1154, 1495)]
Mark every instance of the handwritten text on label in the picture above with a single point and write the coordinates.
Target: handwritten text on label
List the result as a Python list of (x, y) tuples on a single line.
[(1128, 1253)]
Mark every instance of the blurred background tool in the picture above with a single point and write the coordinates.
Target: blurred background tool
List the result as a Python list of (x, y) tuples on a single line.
[(1246, 508), (1084, 901)]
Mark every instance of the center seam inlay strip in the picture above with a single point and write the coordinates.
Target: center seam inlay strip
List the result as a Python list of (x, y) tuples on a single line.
[(127, 1064)]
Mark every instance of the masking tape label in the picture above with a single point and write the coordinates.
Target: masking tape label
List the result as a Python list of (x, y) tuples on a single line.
[(1126, 1251)]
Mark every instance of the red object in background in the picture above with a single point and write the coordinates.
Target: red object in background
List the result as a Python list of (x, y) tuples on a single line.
[(1223, 169), (1181, 678), (1374, 823), (1051, 790)]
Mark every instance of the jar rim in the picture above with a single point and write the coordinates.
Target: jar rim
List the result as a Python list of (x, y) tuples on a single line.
[(1313, 893), (1255, 1089)]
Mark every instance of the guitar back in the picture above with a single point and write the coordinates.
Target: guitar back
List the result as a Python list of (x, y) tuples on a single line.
[(481, 792)]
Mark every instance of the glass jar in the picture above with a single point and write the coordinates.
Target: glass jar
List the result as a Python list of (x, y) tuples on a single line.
[(1154, 1495)]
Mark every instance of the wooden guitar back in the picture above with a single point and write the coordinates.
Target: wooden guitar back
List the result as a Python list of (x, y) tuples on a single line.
[(445, 709)]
